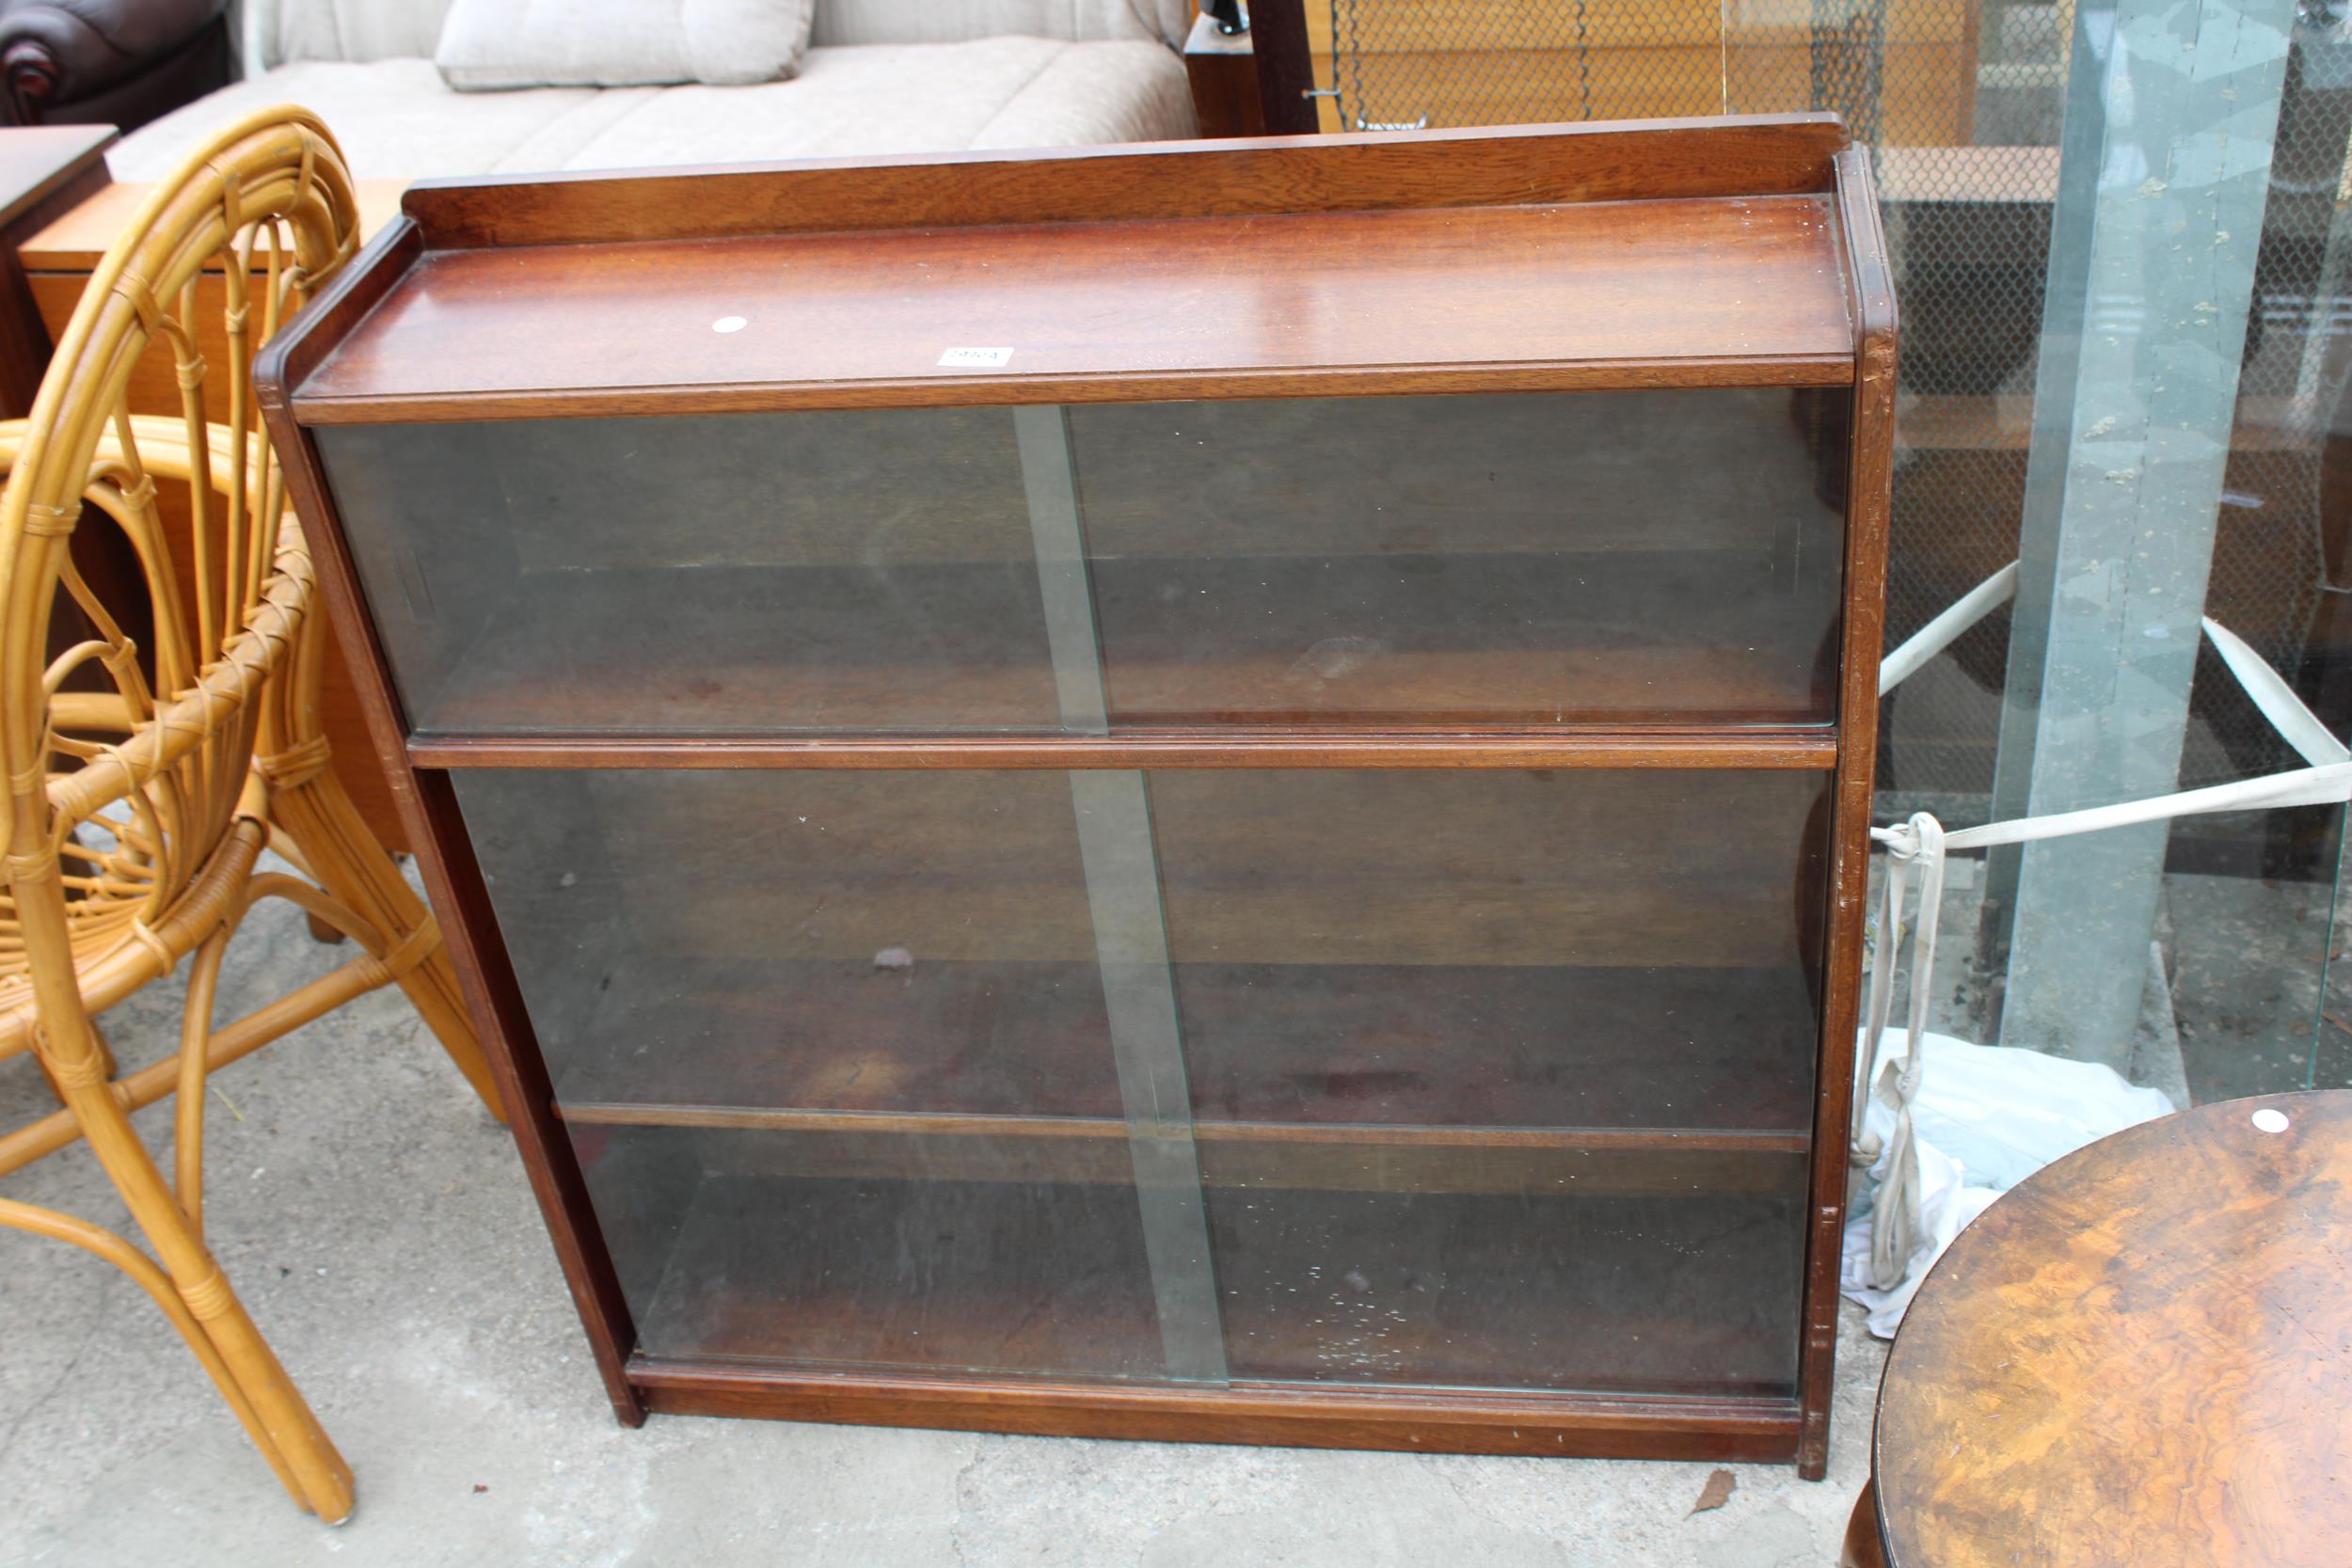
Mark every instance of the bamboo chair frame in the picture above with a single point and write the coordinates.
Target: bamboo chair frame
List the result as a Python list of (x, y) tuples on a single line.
[(137, 813)]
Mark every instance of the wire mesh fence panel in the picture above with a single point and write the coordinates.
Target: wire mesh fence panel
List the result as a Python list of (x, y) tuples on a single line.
[(1401, 63), (1968, 219), (1962, 103)]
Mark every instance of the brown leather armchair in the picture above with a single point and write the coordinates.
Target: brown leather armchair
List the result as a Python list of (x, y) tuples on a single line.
[(113, 62)]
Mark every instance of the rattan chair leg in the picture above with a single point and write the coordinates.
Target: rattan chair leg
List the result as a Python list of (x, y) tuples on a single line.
[(323, 1481), (101, 1243), (67, 1046)]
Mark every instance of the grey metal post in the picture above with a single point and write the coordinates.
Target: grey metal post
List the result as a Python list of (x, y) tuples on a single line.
[(2172, 107)]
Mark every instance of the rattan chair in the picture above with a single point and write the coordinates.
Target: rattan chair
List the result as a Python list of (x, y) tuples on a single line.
[(144, 783)]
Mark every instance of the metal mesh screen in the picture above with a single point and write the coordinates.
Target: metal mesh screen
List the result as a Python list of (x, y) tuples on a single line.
[(1403, 64), (1968, 173), (1961, 103), (1846, 63), (1400, 66)]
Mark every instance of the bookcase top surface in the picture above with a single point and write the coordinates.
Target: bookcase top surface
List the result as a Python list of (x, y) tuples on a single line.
[(1347, 278)]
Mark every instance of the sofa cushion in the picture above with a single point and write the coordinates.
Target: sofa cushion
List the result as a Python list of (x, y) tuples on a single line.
[(851, 21), (491, 45), (397, 119), (913, 98), (279, 31)]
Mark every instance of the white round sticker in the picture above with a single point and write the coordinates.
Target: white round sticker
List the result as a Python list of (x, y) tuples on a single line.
[(2270, 1120), (730, 323)]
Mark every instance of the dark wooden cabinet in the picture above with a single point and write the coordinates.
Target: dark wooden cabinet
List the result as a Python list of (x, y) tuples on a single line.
[(1206, 793)]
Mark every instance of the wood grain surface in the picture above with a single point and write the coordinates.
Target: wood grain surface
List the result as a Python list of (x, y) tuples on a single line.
[(1869, 498), (1223, 71), (1759, 1430), (1660, 746), (2140, 1356), (1491, 165), (1739, 291)]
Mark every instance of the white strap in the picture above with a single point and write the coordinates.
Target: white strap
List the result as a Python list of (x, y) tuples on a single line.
[(2279, 704), (1942, 632), (2302, 786), (1894, 1230)]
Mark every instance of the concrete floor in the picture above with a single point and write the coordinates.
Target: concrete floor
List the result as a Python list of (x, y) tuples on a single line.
[(2250, 963), (378, 1227)]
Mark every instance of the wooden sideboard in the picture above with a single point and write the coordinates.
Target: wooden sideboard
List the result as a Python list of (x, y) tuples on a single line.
[(1203, 791)]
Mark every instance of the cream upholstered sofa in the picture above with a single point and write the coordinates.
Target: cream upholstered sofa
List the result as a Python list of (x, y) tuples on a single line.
[(879, 76)]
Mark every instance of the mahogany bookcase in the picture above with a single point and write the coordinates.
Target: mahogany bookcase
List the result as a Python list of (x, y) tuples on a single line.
[(1207, 791)]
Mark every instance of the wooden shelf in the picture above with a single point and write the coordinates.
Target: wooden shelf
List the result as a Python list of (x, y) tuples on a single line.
[(1003, 1048), (1270, 1156), (1352, 1288), (1500, 639)]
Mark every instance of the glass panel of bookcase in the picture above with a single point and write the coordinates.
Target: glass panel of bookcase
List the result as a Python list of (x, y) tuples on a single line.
[(1504, 558), (956, 1252), (1499, 1078)]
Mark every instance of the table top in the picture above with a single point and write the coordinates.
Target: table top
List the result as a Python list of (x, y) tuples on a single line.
[(2141, 1356), (35, 159)]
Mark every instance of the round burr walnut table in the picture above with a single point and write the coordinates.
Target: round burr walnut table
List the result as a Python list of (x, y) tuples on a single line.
[(2140, 1356)]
